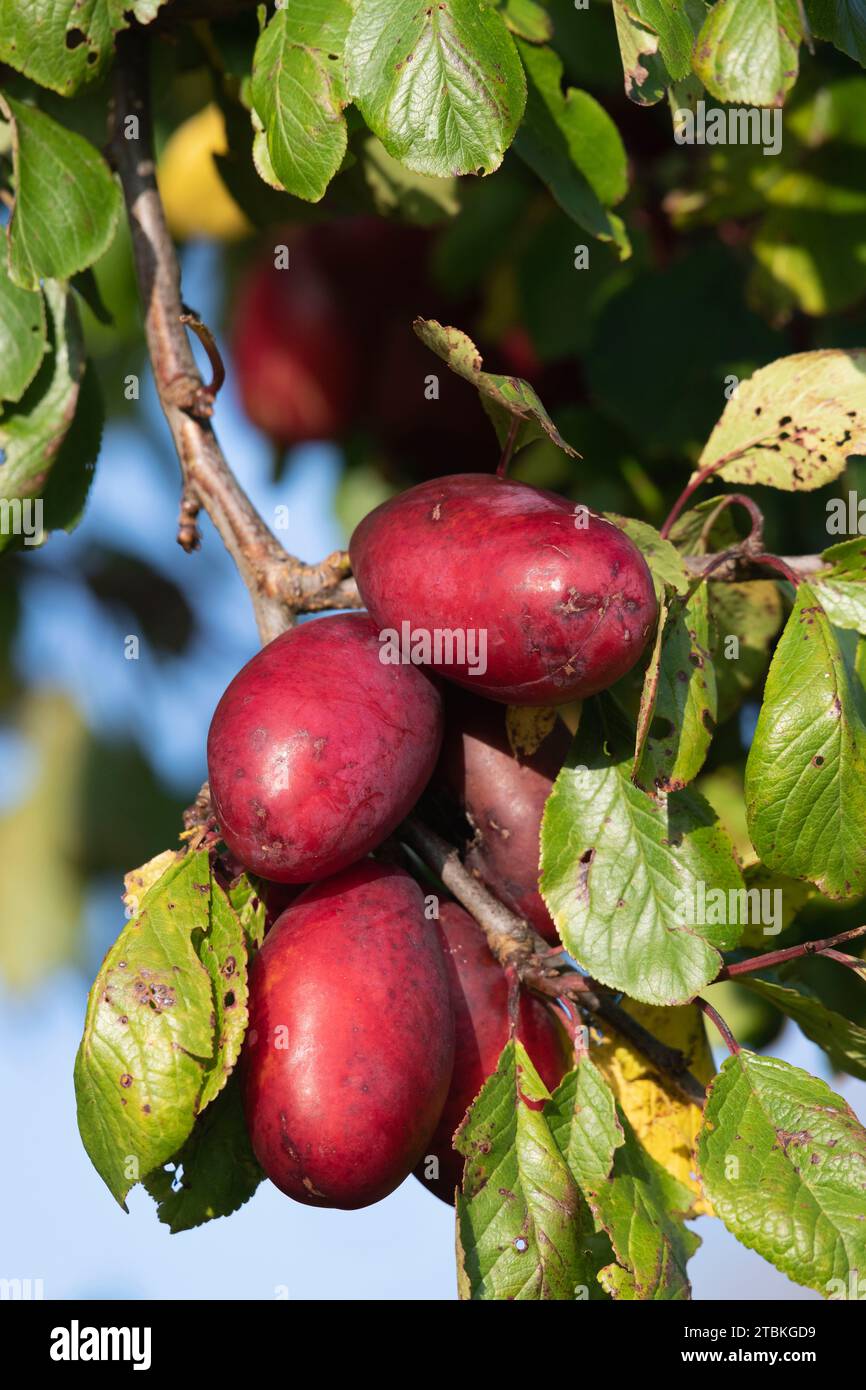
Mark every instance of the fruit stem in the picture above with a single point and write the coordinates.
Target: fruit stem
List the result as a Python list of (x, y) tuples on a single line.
[(686, 493), (730, 1041), (508, 448)]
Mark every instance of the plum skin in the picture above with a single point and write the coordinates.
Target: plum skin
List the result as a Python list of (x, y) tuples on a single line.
[(565, 597), (295, 365), (479, 996), (317, 750), (503, 796), (350, 1044)]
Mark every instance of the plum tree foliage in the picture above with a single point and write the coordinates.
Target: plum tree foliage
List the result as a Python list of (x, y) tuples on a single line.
[(612, 728)]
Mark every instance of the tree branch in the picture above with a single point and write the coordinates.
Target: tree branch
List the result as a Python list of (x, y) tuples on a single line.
[(279, 584), (519, 949), (825, 946)]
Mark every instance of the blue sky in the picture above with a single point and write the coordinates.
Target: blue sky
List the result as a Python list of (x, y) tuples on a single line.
[(60, 1223)]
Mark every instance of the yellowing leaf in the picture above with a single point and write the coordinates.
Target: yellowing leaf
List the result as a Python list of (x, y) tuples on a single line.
[(527, 728), (666, 1124), (138, 881), (40, 887)]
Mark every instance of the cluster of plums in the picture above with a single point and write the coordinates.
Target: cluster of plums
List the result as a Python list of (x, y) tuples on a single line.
[(373, 1020)]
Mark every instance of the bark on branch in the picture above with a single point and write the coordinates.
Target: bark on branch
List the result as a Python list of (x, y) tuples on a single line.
[(279, 584), (518, 948)]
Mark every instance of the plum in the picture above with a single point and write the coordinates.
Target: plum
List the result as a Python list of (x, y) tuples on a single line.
[(350, 1044), (548, 601), (293, 357), (503, 796), (317, 750), (479, 996)]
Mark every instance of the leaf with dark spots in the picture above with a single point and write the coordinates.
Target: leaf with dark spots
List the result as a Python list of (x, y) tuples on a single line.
[(160, 1007), (783, 1161), (441, 86), (825, 389), (224, 954), (507, 399), (520, 1235), (214, 1173), (629, 923), (679, 689), (634, 1201)]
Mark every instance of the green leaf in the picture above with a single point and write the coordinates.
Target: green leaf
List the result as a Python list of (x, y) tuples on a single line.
[(416, 198), (662, 557), (669, 414), (793, 424), (441, 86), (632, 1198), (752, 613), (32, 431), (646, 77), (679, 705), (149, 1035), (842, 588), (298, 94), (806, 771), (748, 50), (505, 397), (62, 44), (620, 869), (22, 337), (783, 1161), (572, 144), (525, 18), (843, 1041), (520, 1215), (66, 491), (706, 528), (223, 953), (669, 19), (843, 22), (214, 1173), (66, 201), (810, 246), (244, 896), (813, 261)]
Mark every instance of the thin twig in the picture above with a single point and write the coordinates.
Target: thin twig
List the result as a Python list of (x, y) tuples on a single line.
[(730, 1041), (775, 562), (517, 947), (686, 493), (773, 958), (508, 448)]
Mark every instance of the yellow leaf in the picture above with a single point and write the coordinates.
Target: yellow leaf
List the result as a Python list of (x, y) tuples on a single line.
[(666, 1124), (40, 886), (196, 201), (527, 728), (138, 881)]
